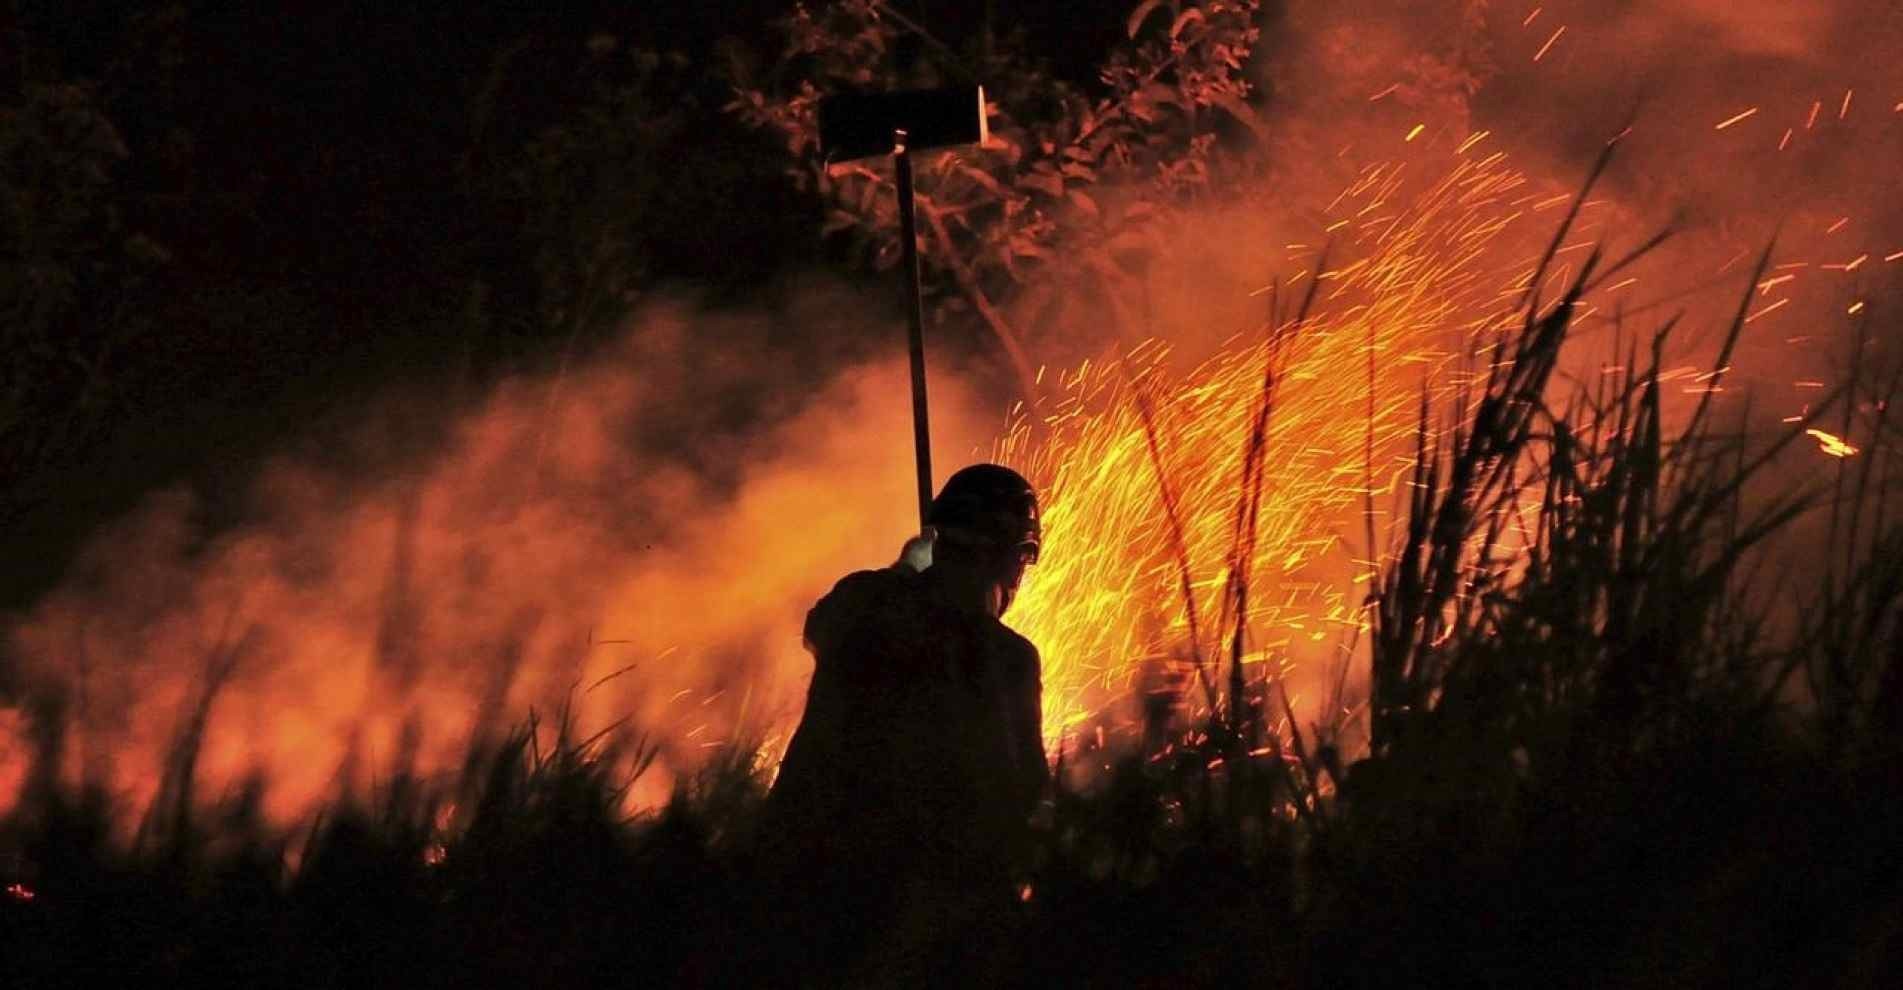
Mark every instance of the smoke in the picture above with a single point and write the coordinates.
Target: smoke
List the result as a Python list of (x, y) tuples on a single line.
[(1738, 126), (1374, 104), (638, 536), (592, 540)]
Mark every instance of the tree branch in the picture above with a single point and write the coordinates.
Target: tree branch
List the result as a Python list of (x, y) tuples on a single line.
[(968, 283)]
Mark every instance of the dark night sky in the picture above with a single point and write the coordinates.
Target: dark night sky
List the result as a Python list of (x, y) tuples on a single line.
[(328, 197), (316, 176), (331, 200)]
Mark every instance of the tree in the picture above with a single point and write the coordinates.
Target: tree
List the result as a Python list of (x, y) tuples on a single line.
[(1077, 182), (66, 307)]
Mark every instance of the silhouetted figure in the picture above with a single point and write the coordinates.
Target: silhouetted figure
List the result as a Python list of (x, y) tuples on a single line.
[(905, 792)]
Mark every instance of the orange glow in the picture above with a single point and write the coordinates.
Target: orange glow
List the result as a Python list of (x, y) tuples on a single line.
[(1549, 43), (531, 560), (1105, 605), (1832, 444), (541, 555)]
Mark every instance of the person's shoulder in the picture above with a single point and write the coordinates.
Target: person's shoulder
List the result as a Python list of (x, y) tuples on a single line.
[(862, 586), (859, 598), (1017, 642)]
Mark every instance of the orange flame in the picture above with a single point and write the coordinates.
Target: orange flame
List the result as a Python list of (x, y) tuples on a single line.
[(1832, 444)]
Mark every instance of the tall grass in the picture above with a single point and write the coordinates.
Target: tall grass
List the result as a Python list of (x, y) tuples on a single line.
[(1612, 736)]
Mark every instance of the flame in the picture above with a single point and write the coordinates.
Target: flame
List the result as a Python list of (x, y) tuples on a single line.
[(1832, 444), (1395, 316), (532, 559), (544, 555)]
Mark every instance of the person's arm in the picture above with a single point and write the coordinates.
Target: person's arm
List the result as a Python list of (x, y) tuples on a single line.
[(1028, 726), (847, 610)]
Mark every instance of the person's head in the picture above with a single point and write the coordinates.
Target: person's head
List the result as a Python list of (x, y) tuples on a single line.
[(986, 520)]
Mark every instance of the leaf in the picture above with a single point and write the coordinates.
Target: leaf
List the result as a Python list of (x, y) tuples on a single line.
[(837, 221), (1044, 182), (1141, 14), (1156, 92), (1128, 246), (1243, 112), (1084, 203), (1024, 248), (983, 178), (1183, 20), (1081, 173)]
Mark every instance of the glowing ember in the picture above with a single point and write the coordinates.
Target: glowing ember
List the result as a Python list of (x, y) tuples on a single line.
[(20, 892), (536, 557), (1393, 315), (1549, 43), (1832, 444)]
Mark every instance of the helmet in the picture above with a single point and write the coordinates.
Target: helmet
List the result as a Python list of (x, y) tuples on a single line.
[(989, 504)]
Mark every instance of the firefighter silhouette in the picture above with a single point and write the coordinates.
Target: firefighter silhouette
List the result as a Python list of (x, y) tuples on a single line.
[(904, 795)]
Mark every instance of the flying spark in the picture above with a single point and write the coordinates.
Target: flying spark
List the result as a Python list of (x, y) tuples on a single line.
[(1728, 121), (1768, 310), (1549, 43), (1832, 444), (1418, 269)]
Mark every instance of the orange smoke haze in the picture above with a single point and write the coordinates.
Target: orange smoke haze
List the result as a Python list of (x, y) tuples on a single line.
[(523, 563), (603, 536)]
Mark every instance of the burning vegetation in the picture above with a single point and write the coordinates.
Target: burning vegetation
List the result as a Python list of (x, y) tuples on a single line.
[(1452, 571)]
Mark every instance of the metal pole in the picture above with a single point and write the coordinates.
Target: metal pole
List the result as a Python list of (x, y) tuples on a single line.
[(915, 317)]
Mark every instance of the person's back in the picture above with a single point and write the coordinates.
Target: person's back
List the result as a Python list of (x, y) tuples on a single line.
[(919, 756), (921, 727)]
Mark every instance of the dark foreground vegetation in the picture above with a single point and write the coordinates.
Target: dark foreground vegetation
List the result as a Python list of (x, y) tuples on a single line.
[(1614, 737), (1635, 714)]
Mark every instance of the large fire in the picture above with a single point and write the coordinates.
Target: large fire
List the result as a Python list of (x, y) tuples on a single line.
[(528, 564), (546, 555), (1406, 289)]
